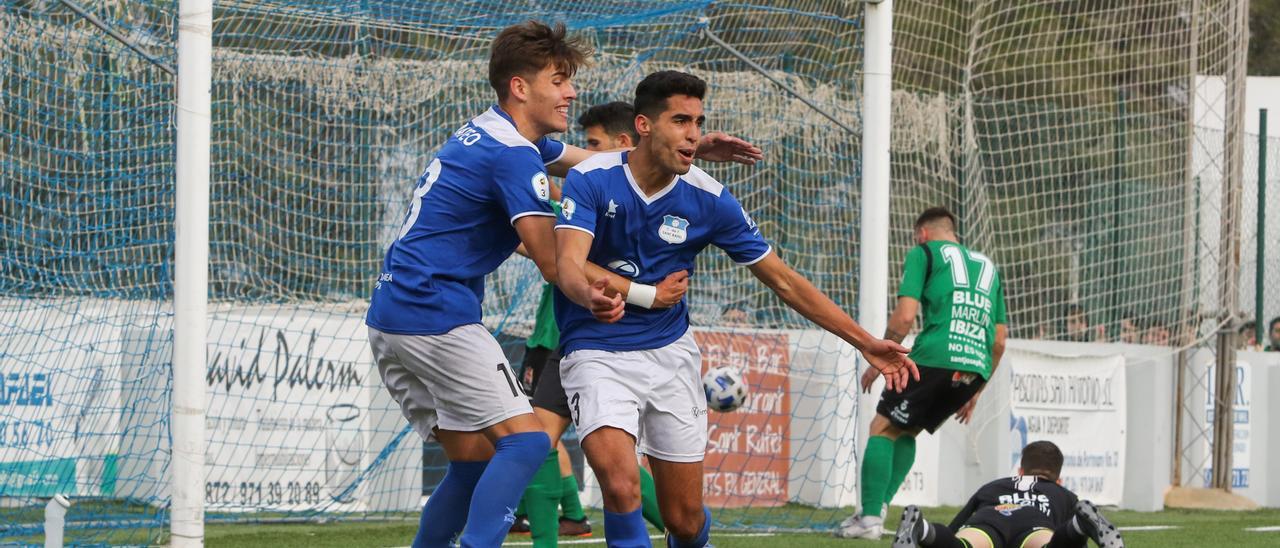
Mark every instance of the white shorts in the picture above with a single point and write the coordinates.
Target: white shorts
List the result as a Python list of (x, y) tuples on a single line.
[(458, 380), (654, 395)]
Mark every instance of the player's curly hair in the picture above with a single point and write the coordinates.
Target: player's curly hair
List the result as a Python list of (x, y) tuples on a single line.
[(653, 91), (524, 49), (1042, 459)]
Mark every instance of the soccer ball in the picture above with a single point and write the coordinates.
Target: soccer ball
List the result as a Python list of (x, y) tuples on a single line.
[(725, 388)]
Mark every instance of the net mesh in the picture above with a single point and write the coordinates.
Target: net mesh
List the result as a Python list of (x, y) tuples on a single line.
[(1059, 132), (1215, 240), (1266, 153)]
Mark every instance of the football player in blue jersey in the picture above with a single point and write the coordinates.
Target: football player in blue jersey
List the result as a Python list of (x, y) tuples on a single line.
[(607, 127), (485, 192), (634, 378)]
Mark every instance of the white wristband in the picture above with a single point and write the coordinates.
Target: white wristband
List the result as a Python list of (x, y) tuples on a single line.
[(642, 295)]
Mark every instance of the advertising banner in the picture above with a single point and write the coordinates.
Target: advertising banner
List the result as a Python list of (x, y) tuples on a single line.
[(1077, 403), (749, 451), (59, 403), (287, 412), (1239, 419)]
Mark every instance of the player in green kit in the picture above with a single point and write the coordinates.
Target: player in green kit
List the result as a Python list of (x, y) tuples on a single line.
[(959, 347)]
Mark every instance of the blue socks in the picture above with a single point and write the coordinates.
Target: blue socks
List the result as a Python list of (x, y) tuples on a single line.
[(445, 513), (703, 538), (498, 491), (626, 530)]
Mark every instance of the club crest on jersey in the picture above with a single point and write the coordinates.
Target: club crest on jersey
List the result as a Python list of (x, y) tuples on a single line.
[(674, 230), (542, 186), (613, 209)]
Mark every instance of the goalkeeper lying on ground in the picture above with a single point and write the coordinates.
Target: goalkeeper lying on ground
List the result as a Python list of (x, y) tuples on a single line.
[(1030, 510)]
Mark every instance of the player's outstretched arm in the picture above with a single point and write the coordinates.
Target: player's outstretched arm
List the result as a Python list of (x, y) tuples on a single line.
[(571, 259), (713, 147), (889, 357)]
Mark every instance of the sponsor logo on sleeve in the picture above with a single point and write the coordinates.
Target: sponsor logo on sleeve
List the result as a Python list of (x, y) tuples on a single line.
[(751, 223), (567, 207), (542, 186)]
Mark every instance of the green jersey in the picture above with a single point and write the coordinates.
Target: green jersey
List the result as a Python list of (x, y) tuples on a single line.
[(546, 333), (962, 300)]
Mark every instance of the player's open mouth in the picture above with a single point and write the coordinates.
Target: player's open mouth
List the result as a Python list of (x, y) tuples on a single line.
[(563, 111), (686, 154)]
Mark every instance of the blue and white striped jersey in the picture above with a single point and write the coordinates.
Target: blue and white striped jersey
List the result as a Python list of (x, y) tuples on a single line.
[(460, 226)]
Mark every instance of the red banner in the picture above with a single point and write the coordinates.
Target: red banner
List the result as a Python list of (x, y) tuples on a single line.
[(749, 449)]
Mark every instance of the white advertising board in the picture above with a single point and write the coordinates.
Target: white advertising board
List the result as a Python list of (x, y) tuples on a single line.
[(1077, 403), (287, 412)]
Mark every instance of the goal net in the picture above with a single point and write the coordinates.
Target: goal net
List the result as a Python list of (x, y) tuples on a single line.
[(1057, 131)]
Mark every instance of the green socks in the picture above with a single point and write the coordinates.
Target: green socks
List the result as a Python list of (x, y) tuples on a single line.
[(570, 504), (649, 500), (548, 489), (541, 499), (885, 465), (904, 455), (877, 468)]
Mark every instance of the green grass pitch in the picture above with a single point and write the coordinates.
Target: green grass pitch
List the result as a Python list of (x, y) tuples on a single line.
[(1170, 528)]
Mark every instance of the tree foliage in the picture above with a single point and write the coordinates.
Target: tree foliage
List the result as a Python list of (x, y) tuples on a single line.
[(1264, 37)]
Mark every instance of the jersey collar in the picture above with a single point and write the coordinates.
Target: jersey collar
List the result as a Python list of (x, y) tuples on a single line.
[(498, 110), (626, 168)]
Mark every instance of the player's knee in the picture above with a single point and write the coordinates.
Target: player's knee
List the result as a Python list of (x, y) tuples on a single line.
[(1038, 539), (880, 426), (975, 537), (684, 521), (892, 431), (621, 491)]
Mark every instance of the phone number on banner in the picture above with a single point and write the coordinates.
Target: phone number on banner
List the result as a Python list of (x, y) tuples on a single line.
[(255, 493)]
